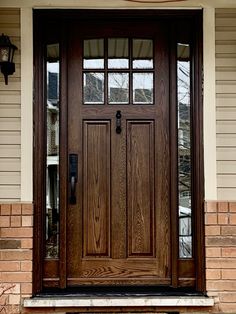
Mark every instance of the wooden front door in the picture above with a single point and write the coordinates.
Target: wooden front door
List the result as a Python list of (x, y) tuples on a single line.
[(118, 213)]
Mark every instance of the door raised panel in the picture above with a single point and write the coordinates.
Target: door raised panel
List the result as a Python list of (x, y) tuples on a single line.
[(96, 188), (140, 187)]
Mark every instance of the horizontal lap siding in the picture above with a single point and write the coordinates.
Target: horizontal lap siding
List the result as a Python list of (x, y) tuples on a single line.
[(10, 114), (226, 103)]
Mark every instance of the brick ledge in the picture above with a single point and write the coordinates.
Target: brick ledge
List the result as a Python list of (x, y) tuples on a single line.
[(59, 302)]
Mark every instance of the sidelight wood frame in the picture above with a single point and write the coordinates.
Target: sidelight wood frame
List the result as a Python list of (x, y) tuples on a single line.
[(51, 26)]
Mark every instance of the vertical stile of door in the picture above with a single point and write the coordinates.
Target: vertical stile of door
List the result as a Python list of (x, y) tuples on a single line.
[(173, 152), (63, 157)]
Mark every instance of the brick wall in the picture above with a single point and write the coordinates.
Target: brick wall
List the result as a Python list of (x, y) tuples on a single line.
[(16, 242), (221, 254)]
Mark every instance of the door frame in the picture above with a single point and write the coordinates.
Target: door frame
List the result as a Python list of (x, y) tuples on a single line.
[(50, 25)]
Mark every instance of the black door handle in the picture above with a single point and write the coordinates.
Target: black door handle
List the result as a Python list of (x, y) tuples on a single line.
[(73, 173), (118, 122)]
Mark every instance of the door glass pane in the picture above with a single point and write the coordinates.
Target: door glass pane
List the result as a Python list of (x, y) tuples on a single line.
[(93, 88), (93, 54), (142, 88), (118, 88), (184, 150), (52, 170), (142, 53), (118, 52)]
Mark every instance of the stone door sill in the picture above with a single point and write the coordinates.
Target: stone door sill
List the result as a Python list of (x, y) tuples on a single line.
[(169, 301)]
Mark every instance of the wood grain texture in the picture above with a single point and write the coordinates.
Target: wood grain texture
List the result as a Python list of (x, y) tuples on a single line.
[(96, 205), (140, 188), (103, 242)]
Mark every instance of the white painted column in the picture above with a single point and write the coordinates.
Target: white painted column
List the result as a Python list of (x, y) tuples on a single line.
[(26, 104), (209, 104)]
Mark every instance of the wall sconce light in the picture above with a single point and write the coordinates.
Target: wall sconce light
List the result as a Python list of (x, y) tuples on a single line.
[(7, 50)]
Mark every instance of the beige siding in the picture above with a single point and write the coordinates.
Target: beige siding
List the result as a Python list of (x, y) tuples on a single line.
[(10, 113), (226, 103)]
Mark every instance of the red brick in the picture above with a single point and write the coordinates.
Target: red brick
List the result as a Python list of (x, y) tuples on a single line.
[(14, 288), (223, 219), (227, 307), (14, 299), (16, 209), (232, 207), (212, 230), (26, 288), (17, 232), (227, 297), (3, 302), (4, 221), (27, 209), (17, 276), (221, 263), (211, 219), (232, 219), (223, 207), (5, 209), (27, 243), (221, 241), (15, 221), (213, 252), (213, 274), (27, 221), (228, 273), (13, 309), (228, 230), (229, 252), (221, 285), (9, 266), (15, 255), (211, 207), (26, 266)]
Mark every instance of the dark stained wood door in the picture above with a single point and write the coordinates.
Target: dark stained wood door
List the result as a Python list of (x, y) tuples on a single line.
[(118, 231)]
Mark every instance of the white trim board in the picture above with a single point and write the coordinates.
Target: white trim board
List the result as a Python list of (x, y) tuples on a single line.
[(168, 301)]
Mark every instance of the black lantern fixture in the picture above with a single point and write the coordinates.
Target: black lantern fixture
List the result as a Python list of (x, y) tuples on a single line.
[(7, 50)]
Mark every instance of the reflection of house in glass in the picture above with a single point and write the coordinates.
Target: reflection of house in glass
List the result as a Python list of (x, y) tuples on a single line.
[(52, 212), (93, 87), (118, 95), (143, 95)]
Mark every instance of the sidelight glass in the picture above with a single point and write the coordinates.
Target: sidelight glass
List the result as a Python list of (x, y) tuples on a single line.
[(184, 150), (118, 88), (142, 53), (52, 159), (143, 88), (118, 53), (93, 57)]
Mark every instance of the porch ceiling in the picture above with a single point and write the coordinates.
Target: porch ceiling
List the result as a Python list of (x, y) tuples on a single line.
[(116, 4)]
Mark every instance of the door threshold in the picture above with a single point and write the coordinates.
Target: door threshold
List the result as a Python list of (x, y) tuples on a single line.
[(119, 301)]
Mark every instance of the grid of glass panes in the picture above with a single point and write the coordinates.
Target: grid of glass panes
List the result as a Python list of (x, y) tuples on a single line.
[(52, 159), (118, 71), (184, 150)]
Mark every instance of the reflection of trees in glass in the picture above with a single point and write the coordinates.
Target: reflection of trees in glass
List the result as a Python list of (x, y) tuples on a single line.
[(143, 95), (184, 159), (52, 171), (118, 87)]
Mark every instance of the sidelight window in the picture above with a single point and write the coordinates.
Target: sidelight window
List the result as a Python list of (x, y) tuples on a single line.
[(184, 150), (52, 158)]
